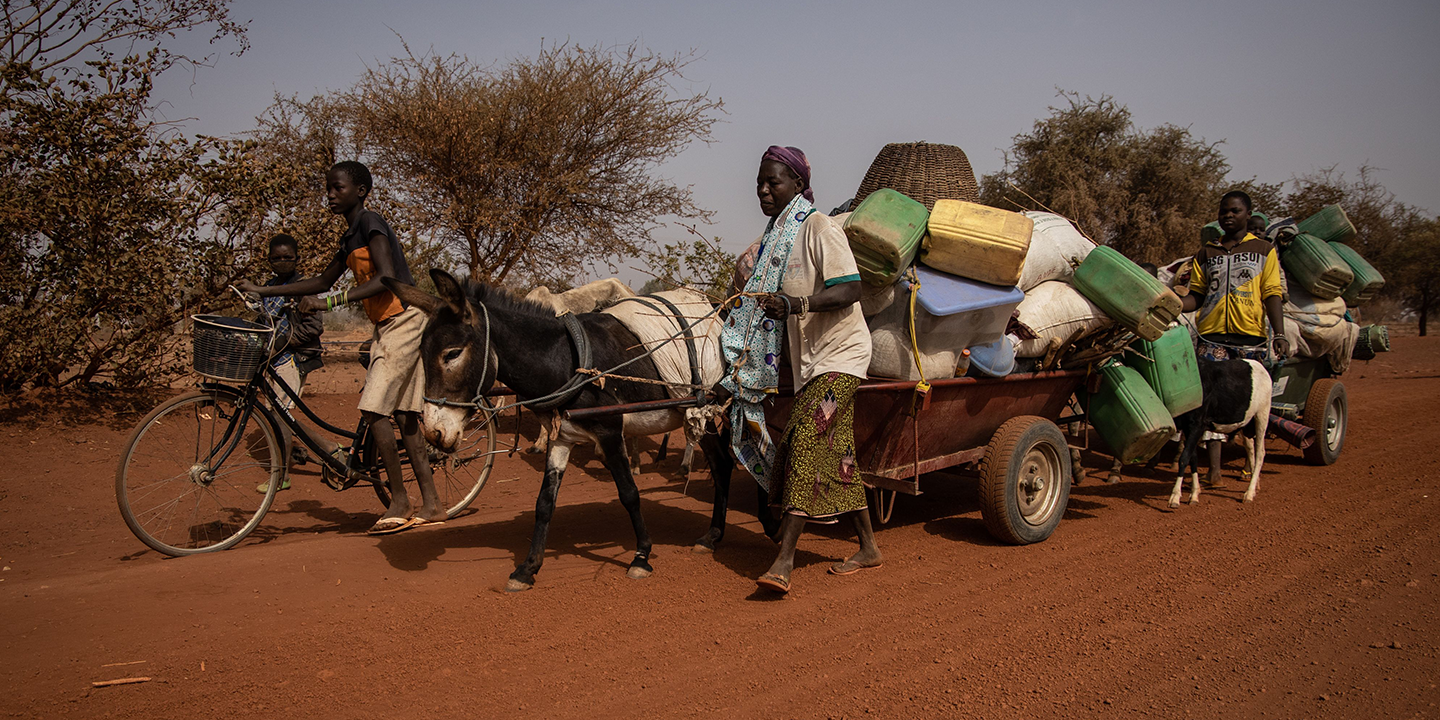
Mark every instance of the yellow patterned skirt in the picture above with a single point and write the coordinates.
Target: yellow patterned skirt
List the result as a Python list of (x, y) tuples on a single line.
[(815, 459)]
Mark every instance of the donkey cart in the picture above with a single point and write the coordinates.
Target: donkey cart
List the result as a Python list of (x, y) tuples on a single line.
[(1308, 390), (1004, 428)]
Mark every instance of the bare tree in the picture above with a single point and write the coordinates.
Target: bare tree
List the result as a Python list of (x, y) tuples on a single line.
[(1144, 192), (46, 34), (536, 170)]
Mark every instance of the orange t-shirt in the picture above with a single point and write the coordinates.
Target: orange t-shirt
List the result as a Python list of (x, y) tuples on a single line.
[(355, 246)]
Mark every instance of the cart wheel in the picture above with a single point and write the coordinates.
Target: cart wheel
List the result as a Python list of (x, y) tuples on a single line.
[(1024, 480), (1327, 411)]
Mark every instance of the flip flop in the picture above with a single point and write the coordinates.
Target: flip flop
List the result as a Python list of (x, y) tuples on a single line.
[(845, 567), (422, 522), (264, 487), (391, 525), (776, 583)]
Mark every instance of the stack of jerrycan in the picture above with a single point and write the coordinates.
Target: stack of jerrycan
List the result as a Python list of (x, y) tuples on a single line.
[(1368, 281), (1313, 265), (1373, 339), (1170, 368), (977, 242), (1133, 297), (1331, 224), (885, 233), (1128, 415)]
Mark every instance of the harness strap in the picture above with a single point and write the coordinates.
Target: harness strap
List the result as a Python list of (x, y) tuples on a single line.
[(578, 380)]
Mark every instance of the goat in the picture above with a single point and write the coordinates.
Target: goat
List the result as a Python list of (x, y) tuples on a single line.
[(1236, 395)]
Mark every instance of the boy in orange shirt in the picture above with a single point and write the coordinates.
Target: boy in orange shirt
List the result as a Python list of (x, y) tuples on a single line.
[(395, 382)]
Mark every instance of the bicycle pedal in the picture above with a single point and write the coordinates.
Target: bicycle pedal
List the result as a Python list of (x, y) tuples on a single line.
[(331, 479)]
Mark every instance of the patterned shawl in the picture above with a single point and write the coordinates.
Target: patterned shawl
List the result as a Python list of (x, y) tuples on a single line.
[(752, 343)]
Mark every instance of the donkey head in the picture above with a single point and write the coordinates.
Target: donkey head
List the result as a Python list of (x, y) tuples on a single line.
[(458, 363)]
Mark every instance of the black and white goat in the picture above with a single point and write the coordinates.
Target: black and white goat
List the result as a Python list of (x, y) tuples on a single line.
[(1237, 395)]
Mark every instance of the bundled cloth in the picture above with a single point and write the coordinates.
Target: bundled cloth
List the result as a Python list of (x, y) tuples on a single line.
[(656, 326), (1319, 328)]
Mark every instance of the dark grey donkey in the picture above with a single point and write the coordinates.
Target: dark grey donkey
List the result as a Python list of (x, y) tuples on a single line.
[(535, 354)]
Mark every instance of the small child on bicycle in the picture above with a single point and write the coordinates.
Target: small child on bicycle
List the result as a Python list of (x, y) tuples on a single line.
[(395, 381), (298, 340)]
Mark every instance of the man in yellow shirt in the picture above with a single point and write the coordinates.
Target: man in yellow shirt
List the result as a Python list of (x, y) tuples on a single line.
[(1235, 283)]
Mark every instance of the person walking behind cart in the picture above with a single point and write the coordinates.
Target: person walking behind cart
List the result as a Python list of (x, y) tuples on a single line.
[(395, 381), (800, 272), (1236, 285), (297, 344)]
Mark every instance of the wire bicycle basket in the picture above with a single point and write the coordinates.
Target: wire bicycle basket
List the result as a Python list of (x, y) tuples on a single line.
[(227, 348)]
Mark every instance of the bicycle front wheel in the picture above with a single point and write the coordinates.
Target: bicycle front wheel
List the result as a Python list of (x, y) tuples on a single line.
[(187, 479)]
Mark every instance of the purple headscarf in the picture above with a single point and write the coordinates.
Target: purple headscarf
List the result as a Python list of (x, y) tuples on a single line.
[(794, 159)]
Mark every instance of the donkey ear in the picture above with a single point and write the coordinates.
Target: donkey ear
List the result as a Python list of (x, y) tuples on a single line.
[(413, 296), (449, 289)]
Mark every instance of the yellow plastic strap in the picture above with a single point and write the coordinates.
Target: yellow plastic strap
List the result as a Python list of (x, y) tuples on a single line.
[(924, 385)]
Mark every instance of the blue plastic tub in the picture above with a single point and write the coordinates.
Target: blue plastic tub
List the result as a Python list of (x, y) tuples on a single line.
[(942, 294), (996, 359)]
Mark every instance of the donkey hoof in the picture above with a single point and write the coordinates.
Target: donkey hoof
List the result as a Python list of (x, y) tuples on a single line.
[(1174, 504), (1194, 501), (701, 548), (1112, 479), (1249, 498), (515, 586), (637, 573)]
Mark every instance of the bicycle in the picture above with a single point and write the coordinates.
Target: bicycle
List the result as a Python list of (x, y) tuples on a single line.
[(197, 460)]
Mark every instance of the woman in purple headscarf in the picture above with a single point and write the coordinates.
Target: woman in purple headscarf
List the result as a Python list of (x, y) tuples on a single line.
[(800, 272)]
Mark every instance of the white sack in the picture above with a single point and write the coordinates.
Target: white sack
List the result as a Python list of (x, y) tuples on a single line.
[(1053, 243), (874, 301), (1056, 310), (941, 341), (1313, 312), (671, 358)]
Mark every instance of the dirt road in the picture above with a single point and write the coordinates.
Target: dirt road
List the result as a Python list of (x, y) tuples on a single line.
[(1318, 600)]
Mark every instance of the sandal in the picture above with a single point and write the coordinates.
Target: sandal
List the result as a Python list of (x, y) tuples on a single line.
[(391, 525), (846, 567), (775, 583)]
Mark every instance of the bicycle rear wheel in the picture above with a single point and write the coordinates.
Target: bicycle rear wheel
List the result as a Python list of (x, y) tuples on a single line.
[(459, 475), (186, 480)]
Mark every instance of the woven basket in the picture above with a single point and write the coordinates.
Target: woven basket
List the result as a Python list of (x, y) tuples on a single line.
[(227, 348), (925, 171)]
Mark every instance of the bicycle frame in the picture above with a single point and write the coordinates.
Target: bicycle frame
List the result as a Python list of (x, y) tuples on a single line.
[(351, 466)]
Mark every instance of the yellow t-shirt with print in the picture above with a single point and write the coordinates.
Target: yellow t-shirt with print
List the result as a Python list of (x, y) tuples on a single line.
[(1236, 283)]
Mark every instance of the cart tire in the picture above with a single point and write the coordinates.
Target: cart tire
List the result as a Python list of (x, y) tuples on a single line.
[(1327, 410), (1024, 480)]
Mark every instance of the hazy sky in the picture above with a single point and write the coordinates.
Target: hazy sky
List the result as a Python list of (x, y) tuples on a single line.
[(1290, 87)]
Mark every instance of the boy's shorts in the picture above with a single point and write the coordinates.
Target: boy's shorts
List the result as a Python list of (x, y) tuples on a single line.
[(290, 374), (1232, 351), (396, 380)]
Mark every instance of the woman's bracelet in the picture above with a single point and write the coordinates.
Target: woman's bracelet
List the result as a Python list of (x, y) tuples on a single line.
[(804, 305)]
